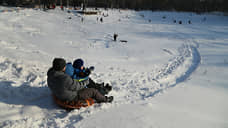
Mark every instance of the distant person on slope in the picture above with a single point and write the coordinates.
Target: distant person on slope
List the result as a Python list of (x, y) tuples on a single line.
[(67, 89), (78, 72)]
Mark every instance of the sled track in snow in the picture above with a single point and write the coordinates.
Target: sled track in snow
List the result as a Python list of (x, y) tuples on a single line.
[(148, 84), (189, 57), (188, 60)]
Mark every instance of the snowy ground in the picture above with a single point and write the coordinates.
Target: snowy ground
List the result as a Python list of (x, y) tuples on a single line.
[(167, 75)]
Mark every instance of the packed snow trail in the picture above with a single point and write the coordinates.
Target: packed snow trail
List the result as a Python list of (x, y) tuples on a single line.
[(139, 86)]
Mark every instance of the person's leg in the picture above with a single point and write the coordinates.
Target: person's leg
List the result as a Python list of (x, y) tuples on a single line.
[(92, 84), (100, 87), (91, 93)]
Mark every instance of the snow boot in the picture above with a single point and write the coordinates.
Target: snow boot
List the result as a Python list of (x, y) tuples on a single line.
[(109, 99), (104, 90)]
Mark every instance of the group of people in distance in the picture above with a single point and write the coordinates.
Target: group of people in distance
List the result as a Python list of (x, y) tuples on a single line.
[(71, 82)]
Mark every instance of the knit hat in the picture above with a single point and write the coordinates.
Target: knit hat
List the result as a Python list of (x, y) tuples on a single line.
[(58, 64), (78, 63)]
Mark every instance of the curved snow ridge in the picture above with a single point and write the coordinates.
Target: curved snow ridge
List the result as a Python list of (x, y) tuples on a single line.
[(178, 69), (131, 87)]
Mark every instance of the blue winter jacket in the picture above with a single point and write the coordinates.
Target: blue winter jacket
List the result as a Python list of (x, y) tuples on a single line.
[(75, 73)]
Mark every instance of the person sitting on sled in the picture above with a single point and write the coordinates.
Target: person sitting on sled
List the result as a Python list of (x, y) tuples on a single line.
[(80, 73), (66, 89)]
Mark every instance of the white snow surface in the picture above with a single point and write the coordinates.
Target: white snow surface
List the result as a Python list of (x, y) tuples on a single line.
[(167, 75)]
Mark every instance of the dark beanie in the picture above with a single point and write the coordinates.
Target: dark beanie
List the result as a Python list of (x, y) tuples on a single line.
[(78, 63), (58, 64)]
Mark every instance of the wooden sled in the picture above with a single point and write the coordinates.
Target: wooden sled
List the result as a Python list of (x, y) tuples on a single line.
[(73, 104)]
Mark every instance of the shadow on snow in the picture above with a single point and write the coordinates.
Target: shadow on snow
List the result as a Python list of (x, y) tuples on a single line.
[(25, 95)]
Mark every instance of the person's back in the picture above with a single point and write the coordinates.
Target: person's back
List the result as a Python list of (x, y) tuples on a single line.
[(61, 85), (67, 89)]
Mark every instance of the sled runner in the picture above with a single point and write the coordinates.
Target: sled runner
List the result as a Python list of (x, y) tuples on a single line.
[(74, 104)]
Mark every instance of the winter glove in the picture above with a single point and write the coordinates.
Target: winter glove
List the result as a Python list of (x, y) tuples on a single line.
[(89, 70)]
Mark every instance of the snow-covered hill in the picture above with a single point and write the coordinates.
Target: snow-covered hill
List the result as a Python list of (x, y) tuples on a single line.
[(164, 74)]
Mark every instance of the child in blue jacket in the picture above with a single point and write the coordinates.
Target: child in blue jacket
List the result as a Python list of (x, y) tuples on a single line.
[(77, 71), (80, 73)]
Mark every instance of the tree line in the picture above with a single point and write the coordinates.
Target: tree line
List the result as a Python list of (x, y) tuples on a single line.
[(177, 5)]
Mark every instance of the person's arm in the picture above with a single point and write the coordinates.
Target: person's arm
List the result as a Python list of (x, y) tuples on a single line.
[(76, 85), (87, 71)]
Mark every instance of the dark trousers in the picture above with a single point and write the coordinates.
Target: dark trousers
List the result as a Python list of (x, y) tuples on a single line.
[(92, 84), (99, 87), (91, 93)]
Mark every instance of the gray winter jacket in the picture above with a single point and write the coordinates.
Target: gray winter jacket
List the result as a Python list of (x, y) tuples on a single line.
[(63, 86)]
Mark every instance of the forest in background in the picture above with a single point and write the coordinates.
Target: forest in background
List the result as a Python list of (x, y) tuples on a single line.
[(168, 5)]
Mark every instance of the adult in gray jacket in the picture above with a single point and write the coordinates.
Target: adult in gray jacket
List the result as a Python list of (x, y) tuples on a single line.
[(67, 89)]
